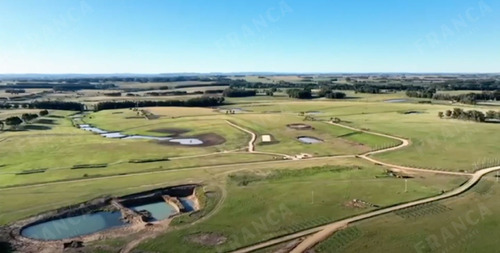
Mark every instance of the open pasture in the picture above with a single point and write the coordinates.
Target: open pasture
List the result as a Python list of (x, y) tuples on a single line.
[(263, 204), (465, 226)]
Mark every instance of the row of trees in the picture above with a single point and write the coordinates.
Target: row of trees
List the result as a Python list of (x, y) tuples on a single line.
[(57, 105), (473, 115), (476, 84), (233, 92), (469, 98), (327, 92), (421, 93), (299, 93), (193, 102), (51, 105), (15, 121)]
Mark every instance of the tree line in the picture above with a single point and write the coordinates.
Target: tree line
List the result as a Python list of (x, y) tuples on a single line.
[(235, 92), (193, 102), (299, 93), (327, 92), (469, 98), (421, 93), (471, 115), (52, 105)]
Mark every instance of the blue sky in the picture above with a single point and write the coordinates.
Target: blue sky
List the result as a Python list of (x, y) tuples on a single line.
[(165, 36)]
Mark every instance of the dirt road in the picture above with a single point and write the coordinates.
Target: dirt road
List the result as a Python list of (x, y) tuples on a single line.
[(323, 232)]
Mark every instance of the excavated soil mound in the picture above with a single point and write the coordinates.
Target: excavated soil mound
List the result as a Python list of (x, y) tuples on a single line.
[(210, 139), (207, 239), (300, 126)]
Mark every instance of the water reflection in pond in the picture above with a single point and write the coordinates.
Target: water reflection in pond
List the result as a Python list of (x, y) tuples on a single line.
[(159, 210), (104, 133), (188, 141), (73, 226), (309, 140), (146, 137), (188, 204)]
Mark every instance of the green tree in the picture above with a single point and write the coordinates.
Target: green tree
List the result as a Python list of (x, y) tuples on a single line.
[(28, 117), (13, 122), (448, 113), (490, 114), (43, 113)]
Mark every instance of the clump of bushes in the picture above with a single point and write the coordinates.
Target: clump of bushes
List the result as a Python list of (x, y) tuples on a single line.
[(89, 166), (472, 115), (33, 171), (152, 160)]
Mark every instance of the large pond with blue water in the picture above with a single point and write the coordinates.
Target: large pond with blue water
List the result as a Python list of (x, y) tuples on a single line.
[(74, 226)]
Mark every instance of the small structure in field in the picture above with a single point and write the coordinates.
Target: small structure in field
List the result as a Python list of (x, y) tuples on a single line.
[(266, 138)]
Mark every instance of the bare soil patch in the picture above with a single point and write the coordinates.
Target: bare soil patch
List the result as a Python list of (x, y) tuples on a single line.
[(207, 239), (300, 126), (171, 131), (36, 127), (208, 139), (46, 121), (357, 203)]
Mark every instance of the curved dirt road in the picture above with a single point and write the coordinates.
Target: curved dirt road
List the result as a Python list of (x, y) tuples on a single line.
[(323, 232), (251, 143), (404, 143), (331, 228)]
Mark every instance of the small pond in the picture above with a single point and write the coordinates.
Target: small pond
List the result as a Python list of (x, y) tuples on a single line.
[(233, 110), (188, 141), (399, 100), (146, 137), (313, 112), (118, 135), (309, 140), (188, 204), (159, 210), (113, 135), (73, 226), (92, 129)]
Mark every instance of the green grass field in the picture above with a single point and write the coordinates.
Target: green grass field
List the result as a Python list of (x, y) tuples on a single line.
[(262, 204), (262, 196), (436, 143), (461, 224)]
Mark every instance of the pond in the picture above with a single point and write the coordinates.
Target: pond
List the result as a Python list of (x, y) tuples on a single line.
[(118, 135), (113, 135), (159, 210), (69, 227), (188, 141), (146, 137), (188, 204), (309, 140), (313, 112), (92, 129), (233, 110)]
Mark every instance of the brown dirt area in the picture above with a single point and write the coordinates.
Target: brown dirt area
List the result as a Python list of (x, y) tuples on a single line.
[(207, 239), (171, 131), (208, 139), (300, 126)]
